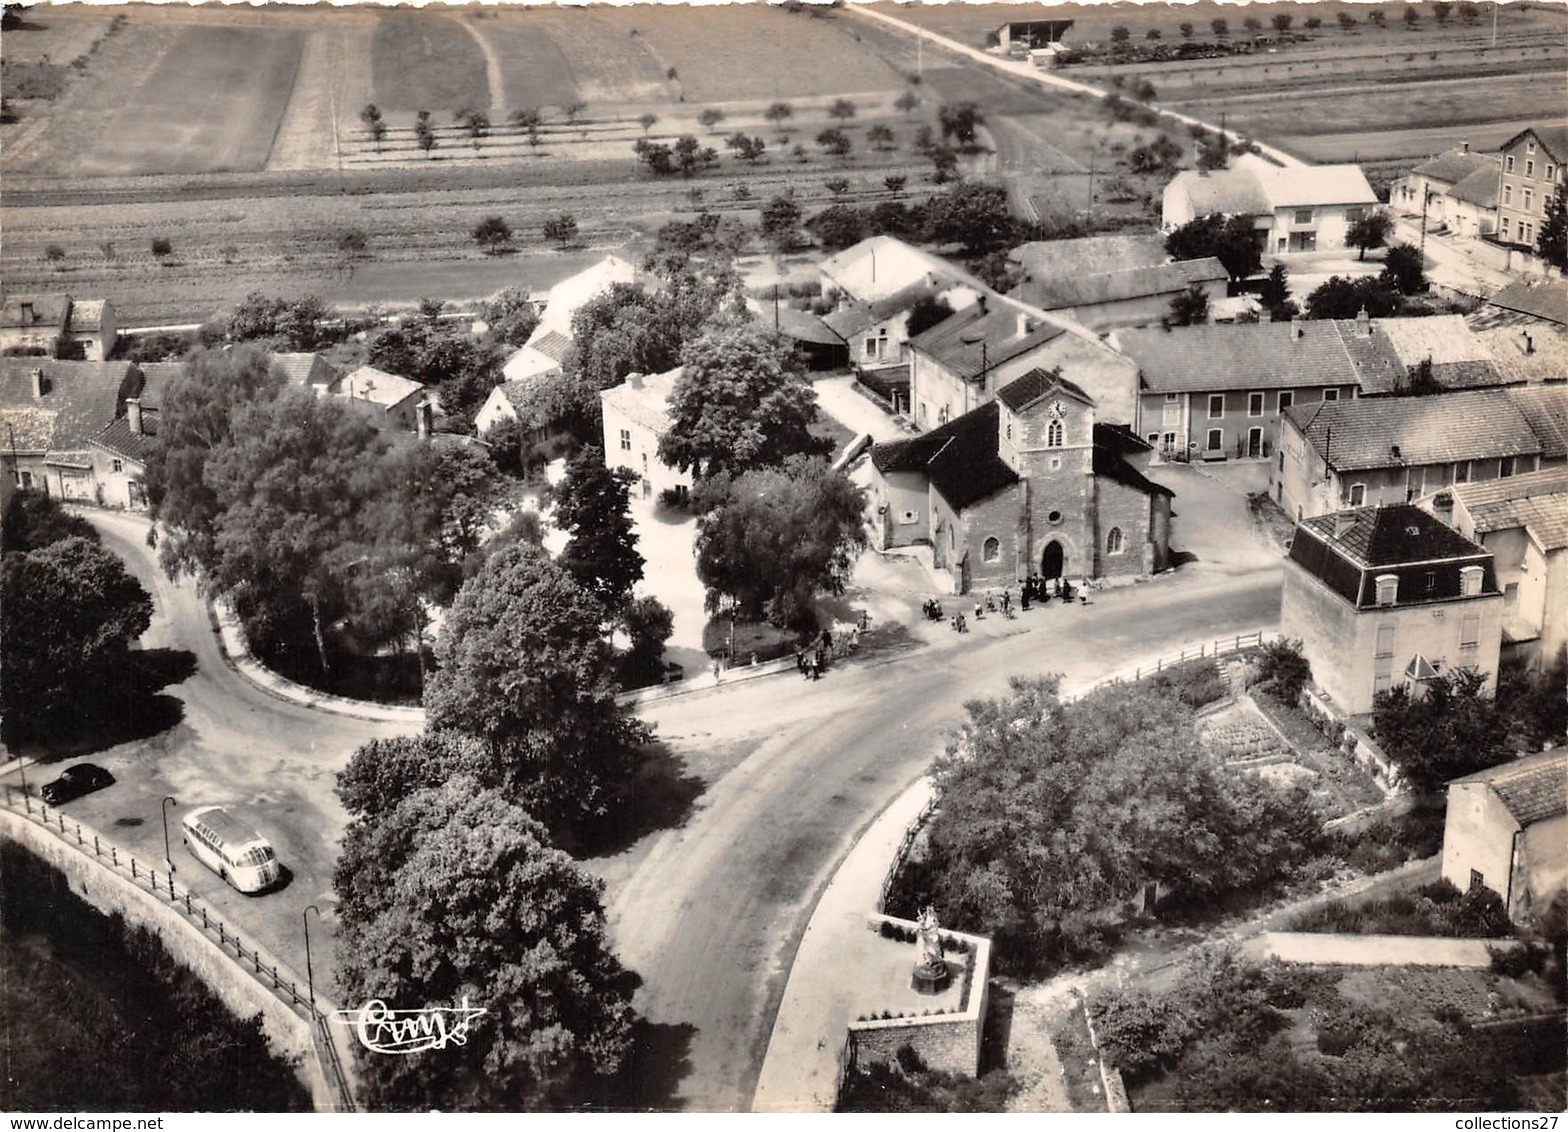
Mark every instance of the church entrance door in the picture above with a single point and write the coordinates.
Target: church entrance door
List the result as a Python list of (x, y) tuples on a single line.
[(1051, 560)]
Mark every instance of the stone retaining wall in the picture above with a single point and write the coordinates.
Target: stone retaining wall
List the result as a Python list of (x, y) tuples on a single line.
[(1376, 950)]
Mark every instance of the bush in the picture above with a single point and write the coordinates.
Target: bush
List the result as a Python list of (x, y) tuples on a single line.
[(54, 253), (1194, 682), (161, 246), (1282, 671)]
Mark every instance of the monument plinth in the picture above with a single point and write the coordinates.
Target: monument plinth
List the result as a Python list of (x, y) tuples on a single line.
[(931, 975)]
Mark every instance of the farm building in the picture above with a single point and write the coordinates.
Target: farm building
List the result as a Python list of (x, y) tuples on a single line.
[(1507, 830), (1380, 596), (1030, 35), (391, 400), (1533, 161), (1397, 449), (1303, 209), (880, 267), (52, 411), (1030, 482), (1455, 190), (876, 332), (546, 347), (1525, 327), (960, 363), (37, 324), (308, 370), (817, 345), (636, 417), (1523, 521)]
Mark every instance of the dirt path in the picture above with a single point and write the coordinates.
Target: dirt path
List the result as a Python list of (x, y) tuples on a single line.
[(494, 75)]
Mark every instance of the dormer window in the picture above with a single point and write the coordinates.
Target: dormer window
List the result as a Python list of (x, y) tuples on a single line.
[(1387, 588), (1470, 578)]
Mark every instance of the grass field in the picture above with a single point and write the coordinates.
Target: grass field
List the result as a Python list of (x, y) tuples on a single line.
[(554, 57), (213, 103), (426, 60)]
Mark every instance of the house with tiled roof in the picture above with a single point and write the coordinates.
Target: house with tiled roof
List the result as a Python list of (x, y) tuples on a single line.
[(1137, 296), (1380, 596), (1301, 209), (1533, 162), (1396, 449), (1506, 829), (636, 415), (1525, 326), (36, 324), (1546, 410), (1027, 483), (307, 370), (545, 350), (876, 330), (1523, 521), (51, 411), (880, 267), (119, 457), (1444, 345), (390, 400), (1456, 191), (960, 363)]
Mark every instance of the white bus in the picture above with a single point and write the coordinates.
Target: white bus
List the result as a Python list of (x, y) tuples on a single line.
[(229, 848)]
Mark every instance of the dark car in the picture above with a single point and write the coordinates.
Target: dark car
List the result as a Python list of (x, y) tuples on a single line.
[(83, 778)]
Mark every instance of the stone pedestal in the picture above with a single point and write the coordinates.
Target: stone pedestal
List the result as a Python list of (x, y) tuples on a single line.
[(931, 978)]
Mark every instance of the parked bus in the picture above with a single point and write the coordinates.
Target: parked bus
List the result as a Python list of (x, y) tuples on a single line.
[(229, 848)]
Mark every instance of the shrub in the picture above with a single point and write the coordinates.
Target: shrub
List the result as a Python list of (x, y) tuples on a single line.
[(1194, 682), (54, 253), (1282, 671), (161, 246)]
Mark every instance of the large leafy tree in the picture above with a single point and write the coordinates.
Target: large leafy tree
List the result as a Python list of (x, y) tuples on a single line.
[(741, 402), (976, 216), (525, 668), (1371, 231), (1551, 242), (462, 369), (69, 610), (510, 316), (1404, 268), (772, 539), (384, 772), (590, 506), (1343, 297), (1451, 731), (471, 902), (1230, 239)]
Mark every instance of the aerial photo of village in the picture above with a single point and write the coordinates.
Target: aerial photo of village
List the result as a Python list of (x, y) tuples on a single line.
[(796, 557)]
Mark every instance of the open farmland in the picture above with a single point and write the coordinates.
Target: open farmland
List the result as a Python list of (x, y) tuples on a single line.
[(553, 57), (425, 59)]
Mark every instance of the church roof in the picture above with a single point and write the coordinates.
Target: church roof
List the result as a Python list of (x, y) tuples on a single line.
[(1024, 391), (959, 458)]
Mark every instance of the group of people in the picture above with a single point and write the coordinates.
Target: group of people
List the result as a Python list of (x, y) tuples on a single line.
[(1034, 589), (811, 661)]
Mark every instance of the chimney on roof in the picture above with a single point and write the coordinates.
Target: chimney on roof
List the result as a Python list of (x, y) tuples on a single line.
[(1393, 451), (1529, 343), (1363, 320), (1342, 524), (1025, 324), (133, 415), (1464, 145), (634, 380), (38, 384)]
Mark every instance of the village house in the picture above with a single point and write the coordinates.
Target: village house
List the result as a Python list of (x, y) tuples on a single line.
[(880, 267), (1380, 596), (391, 401), (1398, 449), (119, 452), (39, 324), (636, 416), (1523, 521), (960, 363), (1307, 208), (1532, 168), (545, 350), (1105, 282), (817, 345), (1455, 191), (1030, 482), (51, 411), (1506, 829), (1525, 329), (306, 370)]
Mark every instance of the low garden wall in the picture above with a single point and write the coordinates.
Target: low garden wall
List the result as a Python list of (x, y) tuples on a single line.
[(1376, 950), (1354, 740), (949, 1042), (1110, 1076)]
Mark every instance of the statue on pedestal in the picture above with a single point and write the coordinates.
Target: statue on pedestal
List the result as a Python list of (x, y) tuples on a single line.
[(931, 974)]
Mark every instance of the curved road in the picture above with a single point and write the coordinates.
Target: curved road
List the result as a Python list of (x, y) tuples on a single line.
[(711, 916)]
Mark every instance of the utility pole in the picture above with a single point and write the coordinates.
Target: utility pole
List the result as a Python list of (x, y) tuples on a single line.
[(1494, 23)]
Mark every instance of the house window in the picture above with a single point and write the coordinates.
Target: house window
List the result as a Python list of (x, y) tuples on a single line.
[(871, 347), (1529, 198), (1286, 400), (1216, 440), (1053, 517), (1505, 228), (1387, 590), (1508, 194), (1354, 214), (1476, 879), (1470, 632), (1009, 430), (1526, 232), (991, 549), (1053, 434), (1551, 172), (1509, 161), (1331, 395), (626, 440), (909, 517), (1113, 541), (1153, 438), (1358, 494), (1462, 472), (1056, 463), (1505, 467), (1303, 216), (1529, 170), (1216, 406), (1254, 404), (117, 464), (1169, 442), (1431, 582), (1529, 147), (1470, 578)]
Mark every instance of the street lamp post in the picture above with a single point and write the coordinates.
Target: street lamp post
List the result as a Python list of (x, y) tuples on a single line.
[(310, 972), (164, 809)]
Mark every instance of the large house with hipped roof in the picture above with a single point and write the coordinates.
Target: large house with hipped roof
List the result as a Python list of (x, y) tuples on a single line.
[(1506, 829), (1028, 483), (545, 350), (1380, 596), (1306, 208)]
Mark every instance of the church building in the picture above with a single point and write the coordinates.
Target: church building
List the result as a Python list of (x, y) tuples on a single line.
[(1029, 483)]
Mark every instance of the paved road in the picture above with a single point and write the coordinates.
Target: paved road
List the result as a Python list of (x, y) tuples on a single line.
[(711, 916), (233, 744)]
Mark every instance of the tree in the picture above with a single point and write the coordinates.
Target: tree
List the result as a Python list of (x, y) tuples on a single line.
[(529, 118), (1252, 24), (648, 624), (456, 895), (1451, 731), (778, 113), (1282, 21), (1120, 34), (383, 773), (69, 611), (1442, 9), (710, 118), (835, 142), (1469, 12), (573, 109), (425, 138), (162, 246), (1276, 288), (525, 669), (353, 243), (562, 228), (960, 122), (781, 220), (881, 137), (1153, 35), (1347, 22), (647, 122), (1376, 17), (1220, 27), (510, 316), (591, 507), (927, 311), (906, 102), (33, 519), (476, 122), (1371, 231), (842, 109), (1341, 298), (1551, 243), (492, 234), (838, 186), (1412, 17), (974, 215), (659, 157), (1186, 29), (1190, 307), (944, 163), (375, 127), (770, 540), (1283, 671), (838, 226), (747, 148), (740, 403), (895, 182), (1404, 268), (1230, 239)]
